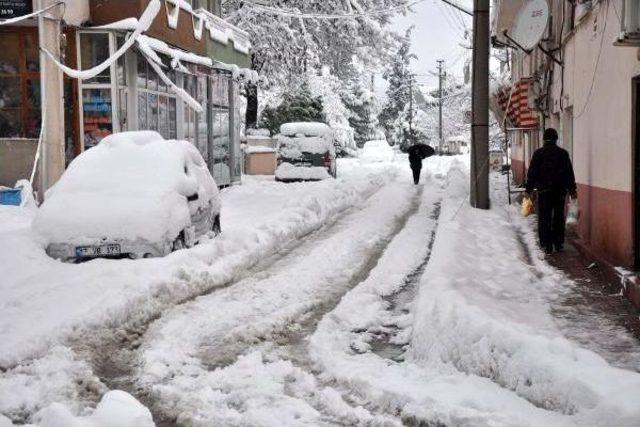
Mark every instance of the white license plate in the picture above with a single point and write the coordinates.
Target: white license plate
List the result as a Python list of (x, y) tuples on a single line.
[(97, 251)]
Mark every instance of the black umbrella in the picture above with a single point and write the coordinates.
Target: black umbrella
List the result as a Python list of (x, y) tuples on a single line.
[(421, 150)]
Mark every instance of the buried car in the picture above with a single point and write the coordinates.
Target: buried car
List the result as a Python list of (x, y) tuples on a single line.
[(133, 195), (306, 152)]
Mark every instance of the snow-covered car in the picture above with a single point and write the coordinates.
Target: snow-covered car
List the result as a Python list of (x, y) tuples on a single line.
[(376, 151), (133, 195), (306, 152)]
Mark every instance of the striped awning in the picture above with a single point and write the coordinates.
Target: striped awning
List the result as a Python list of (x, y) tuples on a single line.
[(514, 101)]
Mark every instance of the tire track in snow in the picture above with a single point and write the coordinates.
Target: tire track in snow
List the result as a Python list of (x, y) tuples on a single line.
[(293, 314), (112, 350)]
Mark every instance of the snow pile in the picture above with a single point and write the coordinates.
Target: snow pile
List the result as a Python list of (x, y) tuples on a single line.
[(296, 147), (114, 190), (116, 409), (376, 151), (258, 149), (288, 172), (305, 129), (58, 377)]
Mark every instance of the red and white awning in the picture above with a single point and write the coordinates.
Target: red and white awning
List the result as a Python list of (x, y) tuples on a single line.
[(514, 102)]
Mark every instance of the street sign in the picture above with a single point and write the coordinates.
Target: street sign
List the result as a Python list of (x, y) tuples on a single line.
[(14, 8)]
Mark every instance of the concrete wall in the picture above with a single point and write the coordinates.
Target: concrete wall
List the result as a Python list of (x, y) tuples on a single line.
[(599, 90), (76, 12), (16, 159)]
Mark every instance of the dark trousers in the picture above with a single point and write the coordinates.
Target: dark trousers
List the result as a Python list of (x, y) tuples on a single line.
[(416, 168), (551, 218)]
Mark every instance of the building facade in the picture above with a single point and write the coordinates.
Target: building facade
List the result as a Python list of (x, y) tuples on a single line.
[(200, 53), (590, 92)]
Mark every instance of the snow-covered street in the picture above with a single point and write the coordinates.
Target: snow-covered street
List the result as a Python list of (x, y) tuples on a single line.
[(361, 301)]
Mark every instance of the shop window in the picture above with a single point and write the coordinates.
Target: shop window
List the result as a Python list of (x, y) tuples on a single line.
[(97, 113), (220, 90), (121, 70), (32, 53), (94, 49), (142, 72), (190, 86), (19, 85), (142, 111), (173, 131), (156, 104)]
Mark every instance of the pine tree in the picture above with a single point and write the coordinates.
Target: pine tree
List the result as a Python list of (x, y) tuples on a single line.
[(364, 108), (400, 79), (296, 106)]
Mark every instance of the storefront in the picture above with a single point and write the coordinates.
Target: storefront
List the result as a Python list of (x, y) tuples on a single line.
[(129, 95), (199, 55)]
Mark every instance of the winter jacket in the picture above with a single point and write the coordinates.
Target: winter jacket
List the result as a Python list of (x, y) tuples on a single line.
[(551, 170), (415, 159)]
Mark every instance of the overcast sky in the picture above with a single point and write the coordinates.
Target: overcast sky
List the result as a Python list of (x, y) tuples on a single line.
[(439, 31)]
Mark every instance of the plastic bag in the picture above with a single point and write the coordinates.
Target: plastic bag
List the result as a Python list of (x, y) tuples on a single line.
[(527, 207), (573, 212)]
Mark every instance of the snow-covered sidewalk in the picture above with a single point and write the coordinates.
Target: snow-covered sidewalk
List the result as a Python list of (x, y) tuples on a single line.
[(481, 344)]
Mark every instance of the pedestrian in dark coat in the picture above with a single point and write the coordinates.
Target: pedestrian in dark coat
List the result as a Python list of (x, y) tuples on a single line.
[(418, 152), (551, 173)]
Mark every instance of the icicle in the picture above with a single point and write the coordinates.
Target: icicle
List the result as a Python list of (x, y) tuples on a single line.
[(143, 25)]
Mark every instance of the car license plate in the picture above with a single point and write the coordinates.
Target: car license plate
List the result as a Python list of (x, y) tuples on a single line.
[(97, 251)]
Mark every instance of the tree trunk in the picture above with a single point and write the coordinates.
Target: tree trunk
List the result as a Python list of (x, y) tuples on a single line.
[(251, 117)]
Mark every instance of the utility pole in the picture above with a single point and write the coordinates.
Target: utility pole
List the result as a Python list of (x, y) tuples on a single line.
[(480, 107), (52, 159), (440, 69)]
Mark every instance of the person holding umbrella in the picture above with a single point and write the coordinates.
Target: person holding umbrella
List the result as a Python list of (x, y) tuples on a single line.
[(417, 153)]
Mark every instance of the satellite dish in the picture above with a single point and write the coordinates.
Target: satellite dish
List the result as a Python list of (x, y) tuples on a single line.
[(530, 24)]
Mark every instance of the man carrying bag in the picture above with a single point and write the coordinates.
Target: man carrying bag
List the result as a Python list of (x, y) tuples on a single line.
[(551, 173)]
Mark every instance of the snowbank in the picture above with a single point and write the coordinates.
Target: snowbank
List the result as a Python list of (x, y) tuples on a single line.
[(483, 312), (289, 172), (376, 151), (116, 409), (258, 149)]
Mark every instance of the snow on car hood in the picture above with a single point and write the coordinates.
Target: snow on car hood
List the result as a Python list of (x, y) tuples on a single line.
[(84, 218), (133, 185)]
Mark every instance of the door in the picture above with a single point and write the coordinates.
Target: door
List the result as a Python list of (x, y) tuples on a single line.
[(636, 170)]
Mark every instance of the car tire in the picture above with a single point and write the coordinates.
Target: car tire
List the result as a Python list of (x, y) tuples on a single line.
[(216, 228)]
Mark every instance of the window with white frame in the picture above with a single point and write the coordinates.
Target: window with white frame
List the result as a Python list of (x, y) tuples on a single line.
[(96, 93), (156, 103)]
